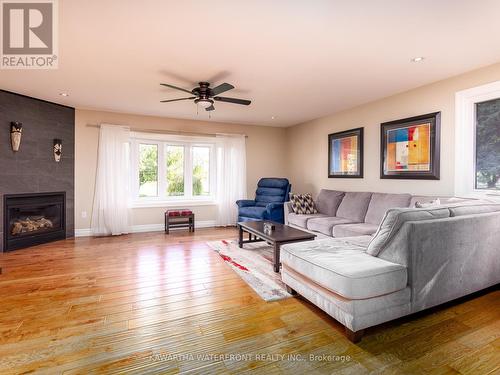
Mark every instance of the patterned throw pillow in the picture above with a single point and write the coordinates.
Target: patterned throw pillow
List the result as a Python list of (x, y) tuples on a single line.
[(303, 204)]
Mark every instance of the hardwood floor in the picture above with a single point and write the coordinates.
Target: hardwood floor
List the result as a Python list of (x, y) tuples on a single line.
[(152, 303)]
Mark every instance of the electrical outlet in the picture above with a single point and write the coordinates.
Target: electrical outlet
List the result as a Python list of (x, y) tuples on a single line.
[(84, 214)]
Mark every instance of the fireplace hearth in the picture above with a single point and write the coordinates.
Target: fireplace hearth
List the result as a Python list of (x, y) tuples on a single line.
[(33, 219)]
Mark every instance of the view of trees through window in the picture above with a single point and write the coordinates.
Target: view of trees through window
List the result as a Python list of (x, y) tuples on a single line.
[(148, 170), (201, 167), (176, 164), (488, 145), (175, 170)]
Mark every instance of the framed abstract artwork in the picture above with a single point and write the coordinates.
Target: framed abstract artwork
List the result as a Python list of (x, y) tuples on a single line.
[(410, 148), (345, 154)]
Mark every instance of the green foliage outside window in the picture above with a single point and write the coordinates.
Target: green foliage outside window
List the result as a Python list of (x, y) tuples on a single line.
[(175, 170), (148, 170), (174, 160), (201, 165), (197, 180), (488, 145)]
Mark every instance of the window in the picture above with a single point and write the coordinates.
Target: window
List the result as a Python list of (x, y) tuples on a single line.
[(148, 170), (171, 168), (477, 141), (488, 145), (175, 170), (201, 171)]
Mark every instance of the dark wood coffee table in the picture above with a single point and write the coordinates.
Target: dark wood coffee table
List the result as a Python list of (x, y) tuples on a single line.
[(282, 234)]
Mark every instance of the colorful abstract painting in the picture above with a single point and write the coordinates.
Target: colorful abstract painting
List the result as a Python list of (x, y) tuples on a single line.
[(408, 149), (345, 154)]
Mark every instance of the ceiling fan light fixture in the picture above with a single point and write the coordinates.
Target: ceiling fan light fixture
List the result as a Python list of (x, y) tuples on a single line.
[(205, 97), (204, 103)]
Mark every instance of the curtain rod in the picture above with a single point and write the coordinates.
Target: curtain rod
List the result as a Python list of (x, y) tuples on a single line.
[(173, 132)]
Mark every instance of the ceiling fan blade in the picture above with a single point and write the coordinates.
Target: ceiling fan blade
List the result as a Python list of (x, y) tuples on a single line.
[(222, 88), (232, 100), (211, 108), (176, 88), (175, 100)]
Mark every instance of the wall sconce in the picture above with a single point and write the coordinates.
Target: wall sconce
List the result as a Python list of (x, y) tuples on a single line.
[(16, 132), (57, 150)]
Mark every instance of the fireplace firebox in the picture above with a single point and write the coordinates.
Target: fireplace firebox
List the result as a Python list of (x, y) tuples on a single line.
[(33, 219)]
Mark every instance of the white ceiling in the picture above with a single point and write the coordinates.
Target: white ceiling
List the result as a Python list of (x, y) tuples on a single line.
[(296, 60)]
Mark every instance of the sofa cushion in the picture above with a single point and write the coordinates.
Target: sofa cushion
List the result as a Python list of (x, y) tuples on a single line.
[(354, 206), (344, 268), (252, 211), (301, 220), (325, 224), (393, 220), (328, 201), (380, 203), (353, 230), (473, 209)]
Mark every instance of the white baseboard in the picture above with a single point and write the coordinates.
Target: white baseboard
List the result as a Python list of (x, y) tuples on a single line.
[(87, 232)]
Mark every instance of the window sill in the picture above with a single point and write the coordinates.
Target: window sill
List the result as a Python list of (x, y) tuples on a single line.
[(172, 204)]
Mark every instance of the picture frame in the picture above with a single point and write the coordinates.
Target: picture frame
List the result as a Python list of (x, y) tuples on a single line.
[(345, 154), (410, 148)]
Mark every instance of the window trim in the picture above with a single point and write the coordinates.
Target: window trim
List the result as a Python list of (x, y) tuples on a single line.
[(465, 142), (162, 141)]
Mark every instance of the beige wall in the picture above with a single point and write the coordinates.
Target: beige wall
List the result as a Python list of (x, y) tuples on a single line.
[(307, 143), (266, 156), (298, 152)]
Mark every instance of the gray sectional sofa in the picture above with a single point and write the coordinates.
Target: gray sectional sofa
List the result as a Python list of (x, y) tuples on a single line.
[(414, 259), (346, 214)]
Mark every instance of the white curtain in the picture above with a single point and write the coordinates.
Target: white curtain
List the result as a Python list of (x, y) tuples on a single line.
[(231, 177), (111, 212)]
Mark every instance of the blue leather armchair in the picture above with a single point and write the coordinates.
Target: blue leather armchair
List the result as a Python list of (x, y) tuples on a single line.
[(268, 203)]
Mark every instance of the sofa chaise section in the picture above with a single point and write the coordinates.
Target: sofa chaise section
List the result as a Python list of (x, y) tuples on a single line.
[(337, 275), (418, 258), (345, 268)]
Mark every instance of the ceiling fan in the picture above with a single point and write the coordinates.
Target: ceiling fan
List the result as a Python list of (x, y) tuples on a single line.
[(205, 96)]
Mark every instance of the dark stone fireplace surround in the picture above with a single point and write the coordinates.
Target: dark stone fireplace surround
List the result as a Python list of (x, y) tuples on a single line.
[(33, 169)]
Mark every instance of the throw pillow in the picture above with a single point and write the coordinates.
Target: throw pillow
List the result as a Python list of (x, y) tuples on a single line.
[(303, 204), (434, 203)]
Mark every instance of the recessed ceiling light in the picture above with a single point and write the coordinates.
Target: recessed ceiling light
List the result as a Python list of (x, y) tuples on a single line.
[(63, 94), (418, 59), (272, 117)]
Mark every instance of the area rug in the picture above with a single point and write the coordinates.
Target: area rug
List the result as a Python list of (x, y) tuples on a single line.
[(254, 264)]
